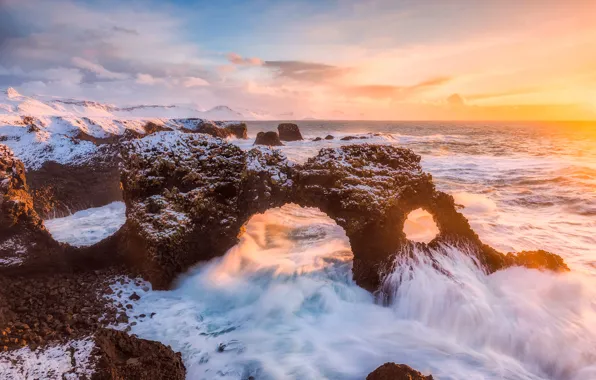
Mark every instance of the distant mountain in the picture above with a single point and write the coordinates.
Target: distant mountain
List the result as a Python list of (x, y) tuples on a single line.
[(13, 103)]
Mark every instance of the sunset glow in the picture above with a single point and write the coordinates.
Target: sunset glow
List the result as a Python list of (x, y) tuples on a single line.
[(349, 59)]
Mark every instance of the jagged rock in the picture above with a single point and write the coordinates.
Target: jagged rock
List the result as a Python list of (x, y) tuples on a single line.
[(23, 238), (268, 138), (151, 128), (118, 355), (537, 260), (59, 189), (289, 132), (210, 128), (239, 130), (392, 371), (188, 196), (317, 139), (329, 137)]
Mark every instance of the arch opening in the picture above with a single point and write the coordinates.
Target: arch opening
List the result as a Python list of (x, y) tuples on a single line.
[(288, 240), (420, 226)]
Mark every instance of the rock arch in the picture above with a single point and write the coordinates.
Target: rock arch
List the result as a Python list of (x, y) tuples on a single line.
[(187, 197)]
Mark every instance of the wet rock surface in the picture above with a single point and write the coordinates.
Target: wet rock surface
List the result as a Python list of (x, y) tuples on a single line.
[(289, 132), (188, 196), (240, 130), (268, 139), (392, 371), (118, 355)]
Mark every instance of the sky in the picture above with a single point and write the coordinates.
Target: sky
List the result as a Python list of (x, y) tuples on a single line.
[(341, 59)]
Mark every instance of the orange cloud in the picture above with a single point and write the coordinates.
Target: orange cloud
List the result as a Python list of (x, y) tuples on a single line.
[(237, 59)]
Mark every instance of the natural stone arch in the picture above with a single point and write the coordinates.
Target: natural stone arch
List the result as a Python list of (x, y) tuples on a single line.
[(188, 195)]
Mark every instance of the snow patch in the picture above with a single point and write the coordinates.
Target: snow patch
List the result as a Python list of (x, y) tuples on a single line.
[(68, 361)]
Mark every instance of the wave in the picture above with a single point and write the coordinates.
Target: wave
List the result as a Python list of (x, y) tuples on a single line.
[(282, 304)]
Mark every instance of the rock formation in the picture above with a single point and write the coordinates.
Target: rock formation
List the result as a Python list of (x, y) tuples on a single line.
[(23, 238), (118, 355), (188, 196), (329, 137), (239, 130), (268, 138), (392, 371), (289, 132)]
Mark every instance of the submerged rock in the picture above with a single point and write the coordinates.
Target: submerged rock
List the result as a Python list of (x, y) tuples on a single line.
[(268, 138), (317, 139), (392, 371), (289, 132)]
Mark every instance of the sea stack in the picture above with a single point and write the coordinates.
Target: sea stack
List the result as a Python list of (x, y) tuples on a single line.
[(268, 138), (289, 132)]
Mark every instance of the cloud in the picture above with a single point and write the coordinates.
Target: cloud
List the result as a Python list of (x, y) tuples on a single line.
[(194, 82), (456, 100), (394, 92), (148, 79), (125, 30), (237, 59), (305, 71), (97, 69)]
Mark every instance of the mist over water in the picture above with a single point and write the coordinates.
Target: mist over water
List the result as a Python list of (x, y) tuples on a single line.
[(282, 303)]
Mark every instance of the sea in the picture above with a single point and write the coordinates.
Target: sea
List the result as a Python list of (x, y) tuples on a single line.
[(282, 303)]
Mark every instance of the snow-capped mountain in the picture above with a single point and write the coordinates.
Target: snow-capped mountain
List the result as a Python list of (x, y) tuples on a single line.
[(14, 103)]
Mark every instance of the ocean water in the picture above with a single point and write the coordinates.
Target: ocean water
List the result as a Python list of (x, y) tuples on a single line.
[(282, 303)]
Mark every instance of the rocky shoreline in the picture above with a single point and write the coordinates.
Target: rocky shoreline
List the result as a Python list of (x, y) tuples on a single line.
[(187, 196)]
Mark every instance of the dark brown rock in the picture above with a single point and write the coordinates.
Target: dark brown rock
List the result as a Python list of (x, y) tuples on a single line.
[(540, 259), (317, 139), (350, 138), (289, 132), (183, 208), (268, 138), (59, 189), (118, 355), (151, 128), (239, 130), (392, 371), (329, 137)]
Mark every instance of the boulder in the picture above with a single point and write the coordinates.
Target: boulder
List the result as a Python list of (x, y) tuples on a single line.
[(118, 355), (239, 130), (329, 137), (268, 138), (289, 132), (392, 371), (317, 139), (188, 196), (210, 128)]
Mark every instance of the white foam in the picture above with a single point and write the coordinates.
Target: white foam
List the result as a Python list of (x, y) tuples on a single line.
[(277, 306), (90, 226)]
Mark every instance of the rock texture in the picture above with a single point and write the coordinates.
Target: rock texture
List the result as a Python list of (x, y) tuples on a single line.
[(239, 130), (268, 138), (118, 355), (392, 371), (188, 196), (289, 132), (23, 238), (60, 189)]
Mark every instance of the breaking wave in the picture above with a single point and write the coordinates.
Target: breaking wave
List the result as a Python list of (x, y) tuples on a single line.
[(282, 305)]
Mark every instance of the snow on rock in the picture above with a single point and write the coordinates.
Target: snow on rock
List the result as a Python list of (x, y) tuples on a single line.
[(59, 361), (90, 226)]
